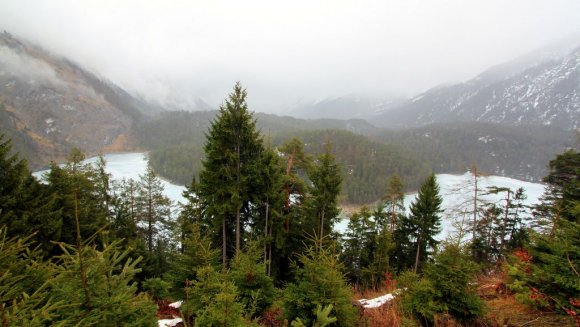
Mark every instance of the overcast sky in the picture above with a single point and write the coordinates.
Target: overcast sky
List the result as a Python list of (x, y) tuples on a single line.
[(286, 52)]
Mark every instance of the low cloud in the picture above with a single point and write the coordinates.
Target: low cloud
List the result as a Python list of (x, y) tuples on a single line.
[(288, 52)]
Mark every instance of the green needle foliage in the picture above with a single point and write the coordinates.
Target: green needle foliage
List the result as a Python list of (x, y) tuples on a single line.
[(446, 288), (248, 273), (111, 297), (213, 300), (424, 221), (229, 175), (319, 282)]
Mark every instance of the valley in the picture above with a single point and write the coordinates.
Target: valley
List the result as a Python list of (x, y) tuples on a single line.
[(455, 189), (160, 196)]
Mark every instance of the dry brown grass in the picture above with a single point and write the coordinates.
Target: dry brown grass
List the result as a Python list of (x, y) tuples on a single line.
[(504, 310), (509, 312)]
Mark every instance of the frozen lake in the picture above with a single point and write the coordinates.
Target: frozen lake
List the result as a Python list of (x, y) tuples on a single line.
[(131, 165), (454, 188)]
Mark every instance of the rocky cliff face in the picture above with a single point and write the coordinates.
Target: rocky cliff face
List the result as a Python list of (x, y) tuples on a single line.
[(49, 105), (545, 93)]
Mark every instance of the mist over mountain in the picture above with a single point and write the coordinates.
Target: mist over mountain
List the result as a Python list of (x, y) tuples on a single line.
[(49, 104), (346, 107), (534, 90)]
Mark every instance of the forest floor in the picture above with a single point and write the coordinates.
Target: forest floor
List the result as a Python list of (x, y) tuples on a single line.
[(504, 310), (507, 311)]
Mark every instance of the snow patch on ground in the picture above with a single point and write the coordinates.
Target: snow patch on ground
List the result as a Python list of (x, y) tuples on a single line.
[(169, 322), (376, 302)]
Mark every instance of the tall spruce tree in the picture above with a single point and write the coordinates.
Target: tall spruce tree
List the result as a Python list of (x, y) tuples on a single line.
[(552, 269), (77, 194), (288, 233), (232, 158), (269, 202), (153, 220), (323, 201), (154, 208), (424, 220), (26, 206), (563, 190), (394, 200)]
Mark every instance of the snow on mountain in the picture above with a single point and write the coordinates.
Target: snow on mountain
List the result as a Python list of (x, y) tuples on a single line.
[(545, 93)]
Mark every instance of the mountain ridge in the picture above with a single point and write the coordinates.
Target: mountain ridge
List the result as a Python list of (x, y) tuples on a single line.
[(49, 104), (545, 93)]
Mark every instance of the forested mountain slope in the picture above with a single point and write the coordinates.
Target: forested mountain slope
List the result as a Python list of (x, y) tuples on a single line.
[(514, 151), (368, 155), (51, 104)]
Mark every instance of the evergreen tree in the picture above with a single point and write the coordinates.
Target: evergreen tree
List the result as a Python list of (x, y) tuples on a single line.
[(563, 189), (485, 247), (359, 248), (394, 200), (190, 213), (446, 288), (213, 300), (248, 274), (381, 264), (232, 150), (269, 202), (24, 297), (326, 184), (154, 208), (153, 212), (297, 163), (288, 233), (424, 221), (26, 206), (77, 195), (197, 252), (108, 296), (124, 214), (500, 228), (550, 273), (319, 282), (366, 249), (103, 184)]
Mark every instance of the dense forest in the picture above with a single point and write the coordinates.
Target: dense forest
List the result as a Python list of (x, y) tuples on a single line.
[(254, 245), (368, 154)]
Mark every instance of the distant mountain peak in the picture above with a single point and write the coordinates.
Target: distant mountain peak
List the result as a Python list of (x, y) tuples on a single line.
[(544, 91)]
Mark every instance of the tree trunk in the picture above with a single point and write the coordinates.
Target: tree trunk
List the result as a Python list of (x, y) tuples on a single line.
[(238, 231), (321, 229), (392, 215), (150, 223), (289, 165), (505, 217), (417, 255), (266, 232), (87, 302)]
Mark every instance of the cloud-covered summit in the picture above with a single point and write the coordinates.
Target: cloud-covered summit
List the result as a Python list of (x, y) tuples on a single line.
[(179, 52)]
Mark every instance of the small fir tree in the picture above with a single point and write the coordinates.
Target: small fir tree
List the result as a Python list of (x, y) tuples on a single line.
[(424, 221), (319, 281)]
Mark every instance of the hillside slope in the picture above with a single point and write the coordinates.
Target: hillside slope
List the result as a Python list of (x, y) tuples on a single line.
[(546, 93), (50, 105)]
